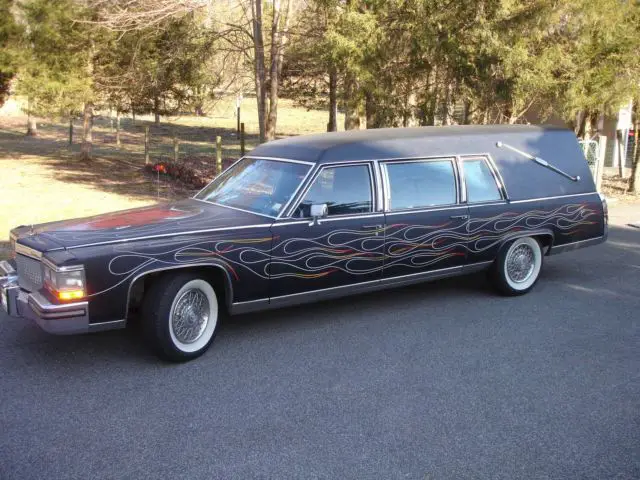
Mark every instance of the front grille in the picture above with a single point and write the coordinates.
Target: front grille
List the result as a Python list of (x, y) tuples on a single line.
[(29, 273)]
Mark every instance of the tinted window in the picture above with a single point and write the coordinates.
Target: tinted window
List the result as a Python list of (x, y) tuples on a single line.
[(421, 184), (257, 185), (346, 190), (481, 185)]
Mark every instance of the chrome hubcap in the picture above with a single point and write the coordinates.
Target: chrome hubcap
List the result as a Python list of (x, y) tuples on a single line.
[(190, 316), (520, 263)]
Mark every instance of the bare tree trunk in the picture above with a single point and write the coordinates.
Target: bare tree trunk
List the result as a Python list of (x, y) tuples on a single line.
[(87, 126), (333, 100), (279, 28), (581, 124), (351, 103), (118, 127), (466, 112), (370, 110), (156, 110), (259, 67)]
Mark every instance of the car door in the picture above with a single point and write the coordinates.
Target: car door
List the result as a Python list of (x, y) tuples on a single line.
[(425, 222), (485, 195), (344, 248)]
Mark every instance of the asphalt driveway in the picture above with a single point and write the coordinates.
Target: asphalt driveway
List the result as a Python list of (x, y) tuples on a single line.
[(437, 381)]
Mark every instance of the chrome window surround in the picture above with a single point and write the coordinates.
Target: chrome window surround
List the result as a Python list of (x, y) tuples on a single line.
[(274, 159), (28, 251), (502, 190), (374, 192), (387, 184)]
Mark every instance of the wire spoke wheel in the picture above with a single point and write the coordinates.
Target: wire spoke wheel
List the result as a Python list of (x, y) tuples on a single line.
[(520, 263), (190, 315)]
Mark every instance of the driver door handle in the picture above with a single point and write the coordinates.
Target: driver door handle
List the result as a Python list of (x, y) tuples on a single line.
[(459, 217)]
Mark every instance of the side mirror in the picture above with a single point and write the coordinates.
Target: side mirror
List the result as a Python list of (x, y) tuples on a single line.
[(318, 211)]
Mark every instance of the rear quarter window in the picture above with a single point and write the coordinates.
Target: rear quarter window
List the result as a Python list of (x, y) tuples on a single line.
[(480, 182)]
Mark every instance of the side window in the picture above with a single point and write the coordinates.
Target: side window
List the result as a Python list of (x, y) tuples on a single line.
[(346, 190), (421, 184), (481, 184)]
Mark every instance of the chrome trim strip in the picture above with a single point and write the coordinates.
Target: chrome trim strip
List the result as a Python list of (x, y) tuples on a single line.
[(555, 249), (56, 268), (379, 206), (278, 159), (163, 235), (295, 193), (228, 283), (424, 210), (111, 325), (496, 202), (496, 172), (242, 210), (45, 305), (28, 251), (353, 288), (349, 217), (7, 269), (553, 198)]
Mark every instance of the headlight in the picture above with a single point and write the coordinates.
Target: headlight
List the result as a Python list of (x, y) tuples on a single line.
[(65, 284)]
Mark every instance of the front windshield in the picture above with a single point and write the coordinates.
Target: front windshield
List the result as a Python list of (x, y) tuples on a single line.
[(258, 185)]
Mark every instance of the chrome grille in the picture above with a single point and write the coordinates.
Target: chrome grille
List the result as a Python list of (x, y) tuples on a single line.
[(29, 273)]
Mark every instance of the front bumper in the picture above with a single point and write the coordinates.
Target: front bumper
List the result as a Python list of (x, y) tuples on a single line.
[(59, 319)]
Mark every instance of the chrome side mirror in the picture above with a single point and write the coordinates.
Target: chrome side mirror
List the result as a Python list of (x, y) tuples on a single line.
[(318, 211)]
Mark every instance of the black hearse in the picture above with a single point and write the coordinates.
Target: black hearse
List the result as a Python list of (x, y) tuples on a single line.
[(311, 218)]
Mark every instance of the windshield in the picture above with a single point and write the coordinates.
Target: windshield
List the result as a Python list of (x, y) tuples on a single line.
[(258, 185)]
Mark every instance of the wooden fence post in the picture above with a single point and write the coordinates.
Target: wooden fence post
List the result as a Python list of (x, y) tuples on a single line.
[(242, 139), (146, 144), (70, 129), (176, 148), (599, 170), (218, 155)]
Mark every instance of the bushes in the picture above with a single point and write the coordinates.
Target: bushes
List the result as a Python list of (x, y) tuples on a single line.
[(195, 172)]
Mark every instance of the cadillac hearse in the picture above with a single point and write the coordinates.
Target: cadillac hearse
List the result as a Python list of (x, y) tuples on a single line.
[(311, 218)]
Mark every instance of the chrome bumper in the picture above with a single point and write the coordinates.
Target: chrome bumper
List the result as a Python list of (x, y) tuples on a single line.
[(59, 319)]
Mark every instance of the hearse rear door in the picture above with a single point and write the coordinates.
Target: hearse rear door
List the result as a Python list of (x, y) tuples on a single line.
[(484, 192), (425, 220)]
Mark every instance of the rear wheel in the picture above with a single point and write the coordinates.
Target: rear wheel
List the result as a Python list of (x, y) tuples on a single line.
[(180, 316), (517, 268)]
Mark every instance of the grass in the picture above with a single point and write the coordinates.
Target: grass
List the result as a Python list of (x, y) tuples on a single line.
[(43, 179)]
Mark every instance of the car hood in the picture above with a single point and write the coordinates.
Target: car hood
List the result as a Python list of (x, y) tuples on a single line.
[(161, 220)]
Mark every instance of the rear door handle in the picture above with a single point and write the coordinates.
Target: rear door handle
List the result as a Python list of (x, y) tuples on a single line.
[(459, 217), (373, 227)]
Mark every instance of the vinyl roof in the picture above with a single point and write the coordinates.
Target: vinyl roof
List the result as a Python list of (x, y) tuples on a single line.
[(351, 145)]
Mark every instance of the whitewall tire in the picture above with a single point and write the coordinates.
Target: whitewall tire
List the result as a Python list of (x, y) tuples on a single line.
[(518, 266), (180, 314)]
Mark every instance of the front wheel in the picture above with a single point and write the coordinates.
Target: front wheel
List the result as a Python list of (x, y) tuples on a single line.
[(180, 315), (517, 268)]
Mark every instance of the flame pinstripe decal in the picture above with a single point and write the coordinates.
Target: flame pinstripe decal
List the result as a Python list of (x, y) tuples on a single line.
[(355, 252)]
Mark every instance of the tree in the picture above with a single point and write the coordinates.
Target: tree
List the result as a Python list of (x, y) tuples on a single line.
[(10, 33), (55, 59), (242, 32)]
